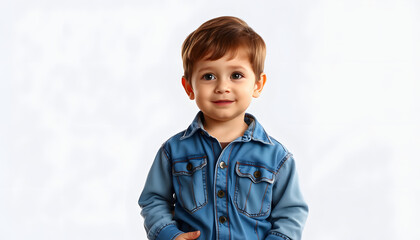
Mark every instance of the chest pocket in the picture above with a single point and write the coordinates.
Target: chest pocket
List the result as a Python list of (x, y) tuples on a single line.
[(253, 189), (189, 178)]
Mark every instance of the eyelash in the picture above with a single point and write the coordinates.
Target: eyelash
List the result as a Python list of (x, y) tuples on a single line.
[(205, 76), (237, 73)]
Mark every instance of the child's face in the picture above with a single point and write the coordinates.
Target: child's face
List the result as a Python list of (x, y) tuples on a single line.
[(223, 88)]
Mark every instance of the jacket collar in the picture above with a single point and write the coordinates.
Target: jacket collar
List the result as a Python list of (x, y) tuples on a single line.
[(254, 132)]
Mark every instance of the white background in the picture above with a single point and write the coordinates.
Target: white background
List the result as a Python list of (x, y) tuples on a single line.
[(89, 90)]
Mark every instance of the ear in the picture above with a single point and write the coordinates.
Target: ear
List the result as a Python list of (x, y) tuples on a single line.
[(188, 88), (259, 85)]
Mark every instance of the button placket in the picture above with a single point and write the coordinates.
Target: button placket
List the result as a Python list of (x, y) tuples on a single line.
[(220, 194)]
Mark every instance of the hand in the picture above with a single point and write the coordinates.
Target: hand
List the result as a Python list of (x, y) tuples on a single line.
[(188, 236)]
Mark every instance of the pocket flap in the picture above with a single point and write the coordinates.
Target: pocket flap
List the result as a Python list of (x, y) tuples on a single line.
[(256, 173), (188, 166)]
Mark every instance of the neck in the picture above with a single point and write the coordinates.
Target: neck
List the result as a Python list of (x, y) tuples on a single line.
[(225, 131)]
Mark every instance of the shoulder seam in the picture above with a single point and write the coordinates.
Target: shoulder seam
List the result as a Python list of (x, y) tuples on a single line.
[(283, 161), (165, 151)]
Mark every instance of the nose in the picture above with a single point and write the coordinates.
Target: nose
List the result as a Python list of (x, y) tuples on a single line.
[(222, 86)]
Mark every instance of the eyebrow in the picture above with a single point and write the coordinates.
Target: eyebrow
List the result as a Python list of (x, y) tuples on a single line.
[(235, 67), (205, 69)]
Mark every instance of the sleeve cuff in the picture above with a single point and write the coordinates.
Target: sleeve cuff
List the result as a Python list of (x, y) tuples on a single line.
[(277, 236), (168, 233)]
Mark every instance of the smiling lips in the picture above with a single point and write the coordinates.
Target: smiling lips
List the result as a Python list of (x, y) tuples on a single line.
[(223, 102)]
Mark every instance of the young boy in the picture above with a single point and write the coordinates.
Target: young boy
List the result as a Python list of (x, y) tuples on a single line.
[(223, 177)]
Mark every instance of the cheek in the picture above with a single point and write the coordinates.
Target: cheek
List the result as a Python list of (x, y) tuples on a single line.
[(201, 92), (249, 91)]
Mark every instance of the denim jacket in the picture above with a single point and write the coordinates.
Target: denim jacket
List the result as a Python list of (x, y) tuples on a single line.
[(248, 190)]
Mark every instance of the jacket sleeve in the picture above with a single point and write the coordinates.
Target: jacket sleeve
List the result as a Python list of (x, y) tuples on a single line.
[(289, 210), (157, 201)]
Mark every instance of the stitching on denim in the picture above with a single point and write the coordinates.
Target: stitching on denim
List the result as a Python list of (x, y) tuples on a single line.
[(261, 179), (189, 132), (256, 229), (251, 215), (168, 158), (254, 120), (268, 137), (186, 158), (190, 158), (197, 207), (160, 229), (166, 153), (283, 161), (189, 173), (262, 200), (227, 205), (176, 235), (285, 237), (253, 165), (180, 191), (250, 176), (193, 193), (205, 187), (217, 222), (212, 149), (253, 128), (235, 202), (247, 196)]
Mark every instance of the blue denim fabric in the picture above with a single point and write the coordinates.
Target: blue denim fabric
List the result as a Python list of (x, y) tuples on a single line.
[(248, 190)]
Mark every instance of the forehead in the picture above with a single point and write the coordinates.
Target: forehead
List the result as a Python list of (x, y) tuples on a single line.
[(215, 53), (239, 56)]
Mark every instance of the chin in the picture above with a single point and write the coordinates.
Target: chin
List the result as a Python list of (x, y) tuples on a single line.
[(224, 116)]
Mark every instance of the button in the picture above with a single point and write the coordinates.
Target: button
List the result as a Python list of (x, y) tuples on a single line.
[(222, 219), (220, 193), (257, 174), (189, 166), (223, 165)]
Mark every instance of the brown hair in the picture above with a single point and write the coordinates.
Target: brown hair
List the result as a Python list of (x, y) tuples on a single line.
[(218, 36)]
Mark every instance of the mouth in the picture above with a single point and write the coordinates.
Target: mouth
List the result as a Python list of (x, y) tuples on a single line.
[(223, 102)]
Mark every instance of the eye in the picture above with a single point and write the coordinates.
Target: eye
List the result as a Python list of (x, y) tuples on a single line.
[(208, 76), (237, 76)]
